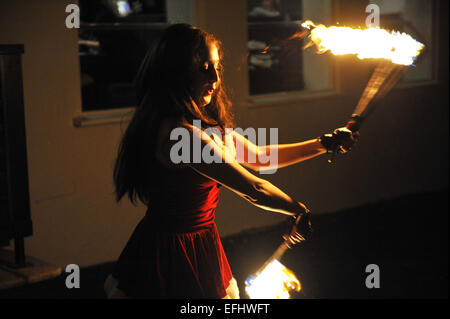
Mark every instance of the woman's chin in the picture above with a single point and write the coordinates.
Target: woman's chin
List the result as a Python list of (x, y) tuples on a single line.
[(206, 100)]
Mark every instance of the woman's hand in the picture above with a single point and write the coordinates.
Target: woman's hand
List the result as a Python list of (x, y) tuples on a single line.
[(301, 229), (340, 141)]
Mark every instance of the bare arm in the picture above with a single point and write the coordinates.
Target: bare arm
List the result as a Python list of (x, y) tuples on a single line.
[(288, 154), (232, 175)]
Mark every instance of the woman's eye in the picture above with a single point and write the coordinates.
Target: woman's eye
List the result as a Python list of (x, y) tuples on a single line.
[(207, 66)]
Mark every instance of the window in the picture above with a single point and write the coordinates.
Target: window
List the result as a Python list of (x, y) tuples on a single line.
[(113, 38), (414, 17), (277, 64)]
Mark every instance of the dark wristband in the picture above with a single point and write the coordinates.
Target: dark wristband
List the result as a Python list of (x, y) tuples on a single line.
[(329, 142)]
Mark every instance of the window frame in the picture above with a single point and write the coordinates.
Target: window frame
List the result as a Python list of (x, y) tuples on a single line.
[(266, 99)]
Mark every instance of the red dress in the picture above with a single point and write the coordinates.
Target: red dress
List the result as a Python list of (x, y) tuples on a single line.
[(175, 250)]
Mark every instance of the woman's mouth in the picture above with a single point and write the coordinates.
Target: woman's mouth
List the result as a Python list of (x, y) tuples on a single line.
[(210, 91)]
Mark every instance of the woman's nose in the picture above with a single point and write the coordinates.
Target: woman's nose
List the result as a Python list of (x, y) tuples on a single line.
[(213, 76)]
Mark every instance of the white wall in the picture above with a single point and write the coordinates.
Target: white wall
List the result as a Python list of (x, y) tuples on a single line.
[(75, 218)]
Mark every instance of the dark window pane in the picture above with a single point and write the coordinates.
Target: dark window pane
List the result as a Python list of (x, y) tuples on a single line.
[(270, 25), (113, 39), (108, 11)]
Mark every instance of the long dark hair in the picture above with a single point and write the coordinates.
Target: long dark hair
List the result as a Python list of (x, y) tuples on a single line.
[(163, 87)]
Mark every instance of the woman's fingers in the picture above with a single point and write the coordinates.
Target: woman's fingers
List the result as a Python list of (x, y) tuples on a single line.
[(295, 238), (355, 137), (348, 144), (305, 209)]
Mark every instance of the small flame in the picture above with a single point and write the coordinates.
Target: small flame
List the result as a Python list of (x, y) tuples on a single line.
[(273, 282), (376, 43)]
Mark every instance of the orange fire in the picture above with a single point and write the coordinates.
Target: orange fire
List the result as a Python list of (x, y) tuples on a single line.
[(370, 43), (273, 282)]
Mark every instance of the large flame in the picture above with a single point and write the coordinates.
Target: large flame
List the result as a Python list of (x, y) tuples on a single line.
[(400, 48), (273, 282)]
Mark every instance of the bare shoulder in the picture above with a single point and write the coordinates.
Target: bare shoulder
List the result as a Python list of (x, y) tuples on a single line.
[(163, 142)]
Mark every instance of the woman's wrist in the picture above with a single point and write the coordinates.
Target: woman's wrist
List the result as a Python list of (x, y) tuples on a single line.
[(328, 142), (320, 145), (301, 210)]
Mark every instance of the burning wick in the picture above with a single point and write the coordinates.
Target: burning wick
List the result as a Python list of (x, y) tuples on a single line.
[(396, 50), (274, 281), (370, 43)]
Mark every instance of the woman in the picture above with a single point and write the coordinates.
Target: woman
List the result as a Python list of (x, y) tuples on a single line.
[(175, 251)]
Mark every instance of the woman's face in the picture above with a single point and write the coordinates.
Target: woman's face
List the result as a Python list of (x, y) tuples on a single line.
[(206, 78)]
